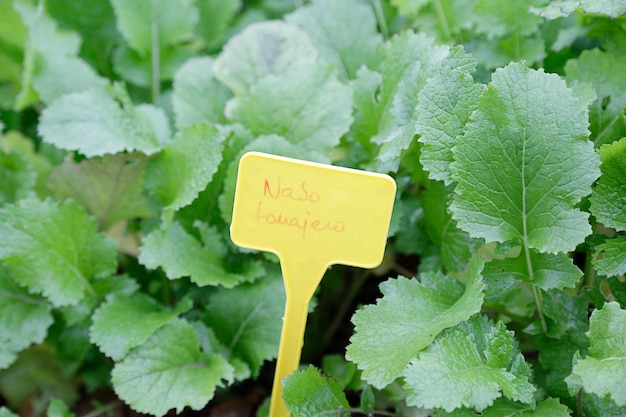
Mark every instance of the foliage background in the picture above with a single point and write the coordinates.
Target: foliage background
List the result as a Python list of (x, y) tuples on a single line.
[(502, 123)]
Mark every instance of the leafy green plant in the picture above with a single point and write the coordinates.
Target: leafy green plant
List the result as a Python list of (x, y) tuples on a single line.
[(503, 124)]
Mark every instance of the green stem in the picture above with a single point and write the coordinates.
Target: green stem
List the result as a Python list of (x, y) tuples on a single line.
[(380, 16), (539, 302), (104, 409), (442, 20), (155, 54)]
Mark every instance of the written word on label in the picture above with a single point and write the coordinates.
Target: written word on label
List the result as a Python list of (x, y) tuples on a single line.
[(305, 219)]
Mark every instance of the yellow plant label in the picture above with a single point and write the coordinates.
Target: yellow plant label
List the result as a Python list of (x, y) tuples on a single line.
[(311, 216)]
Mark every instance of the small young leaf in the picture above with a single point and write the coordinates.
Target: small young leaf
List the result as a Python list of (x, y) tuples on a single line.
[(141, 317), (248, 318), (309, 394), (608, 201), (58, 408), (185, 165), (111, 188), (198, 97), (344, 32), (24, 319), (54, 249), (524, 162), (408, 317), (606, 361), (101, 121), (469, 365), (169, 371)]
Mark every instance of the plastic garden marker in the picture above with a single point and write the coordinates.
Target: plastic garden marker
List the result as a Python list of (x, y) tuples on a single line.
[(311, 216)]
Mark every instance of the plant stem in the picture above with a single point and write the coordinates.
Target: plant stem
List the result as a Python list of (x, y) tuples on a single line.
[(443, 21), (380, 16), (104, 409), (539, 303), (155, 54)]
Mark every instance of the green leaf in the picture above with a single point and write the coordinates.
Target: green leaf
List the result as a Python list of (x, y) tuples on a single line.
[(58, 408), (443, 107), (111, 187), (198, 96), (610, 257), (409, 60), (140, 315), (606, 114), (169, 371), (453, 246), (5, 412), (101, 121), (469, 365), (524, 162), (144, 23), (605, 363), (284, 93), (139, 70), (263, 50), (54, 249), (550, 407), (309, 394), (180, 254), (608, 201), (54, 68), (215, 16), (248, 319), (547, 271), (24, 319), (562, 8), (185, 165), (18, 177), (344, 33), (409, 7), (496, 19), (409, 317)]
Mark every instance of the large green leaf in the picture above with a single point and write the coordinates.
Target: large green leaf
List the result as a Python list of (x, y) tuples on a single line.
[(409, 317), (282, 87), (344, 32), (198, 97), (469, 365), (605, 364), (24, 319), (608, 201), (54, 249), (309, 394), (169, 371), (444, 106), (562, 8), (180, 254), (524, 162), (185, 165), (101, 121), (111, 187), (248, 319), (141, 316), (606, 114)]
